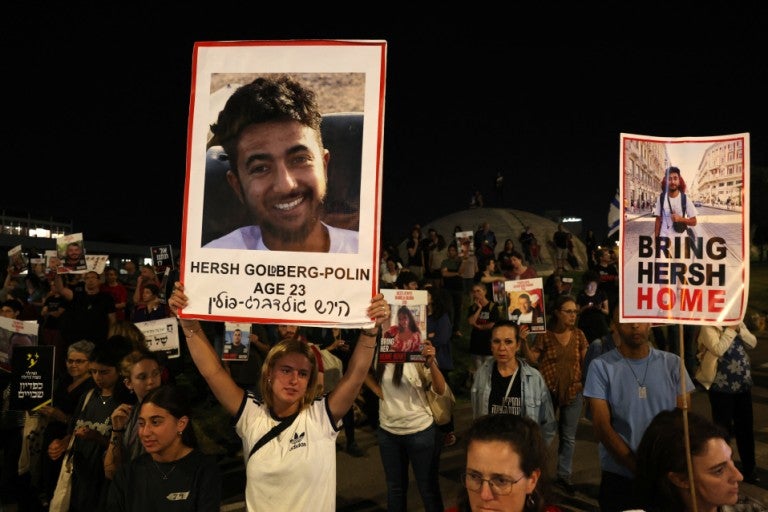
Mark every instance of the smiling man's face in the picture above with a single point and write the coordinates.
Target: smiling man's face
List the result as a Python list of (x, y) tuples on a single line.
[(281, 178)]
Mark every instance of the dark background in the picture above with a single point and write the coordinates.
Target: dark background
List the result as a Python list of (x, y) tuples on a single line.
[(97, 102)]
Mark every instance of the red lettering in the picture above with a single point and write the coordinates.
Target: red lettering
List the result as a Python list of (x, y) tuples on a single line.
[(666, 298), (716, 300), (690, 300)]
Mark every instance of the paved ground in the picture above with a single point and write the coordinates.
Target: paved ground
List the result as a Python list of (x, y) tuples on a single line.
[(360, 481)]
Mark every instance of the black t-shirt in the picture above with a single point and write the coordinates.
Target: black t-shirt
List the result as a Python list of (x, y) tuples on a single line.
[(480, 340), (560, 238), (87, 317), (501, 402), (53, 303)]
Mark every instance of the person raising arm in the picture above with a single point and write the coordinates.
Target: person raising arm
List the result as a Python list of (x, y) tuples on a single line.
[(278, 475)]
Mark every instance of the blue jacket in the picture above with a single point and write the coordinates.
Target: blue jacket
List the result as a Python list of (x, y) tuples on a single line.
[(537, 402)]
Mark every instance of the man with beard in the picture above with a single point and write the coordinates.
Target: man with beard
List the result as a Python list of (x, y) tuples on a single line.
[(674, 213), (270, 130)]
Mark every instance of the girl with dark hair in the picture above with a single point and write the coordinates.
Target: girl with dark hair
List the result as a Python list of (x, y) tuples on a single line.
[(407, 433), (151, 307), (439, 332), (173, 474), (141, 372), (662, 467), (505, 466), (92, 426)]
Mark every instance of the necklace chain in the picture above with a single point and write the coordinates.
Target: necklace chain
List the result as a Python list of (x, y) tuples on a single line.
[(165, 475), (645, 373)]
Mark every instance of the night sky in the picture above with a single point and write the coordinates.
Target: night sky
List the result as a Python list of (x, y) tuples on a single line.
[(97, 105)]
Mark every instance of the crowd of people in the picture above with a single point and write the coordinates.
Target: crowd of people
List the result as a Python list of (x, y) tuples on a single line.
[(618, 375), (130, 426)]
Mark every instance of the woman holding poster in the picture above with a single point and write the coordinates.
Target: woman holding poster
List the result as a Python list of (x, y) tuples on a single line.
[(295, 469), (407, 433), (560, 353)]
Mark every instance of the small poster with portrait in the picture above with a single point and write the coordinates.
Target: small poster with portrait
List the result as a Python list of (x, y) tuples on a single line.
[(17, 261), (13, 334), (51, 264), (71, 253), (236, 341), (499, 294), (525, 303), (404, 340), (465, 243)]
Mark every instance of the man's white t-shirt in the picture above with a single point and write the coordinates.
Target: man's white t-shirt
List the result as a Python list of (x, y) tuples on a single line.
[(664, 212), (249, 237)]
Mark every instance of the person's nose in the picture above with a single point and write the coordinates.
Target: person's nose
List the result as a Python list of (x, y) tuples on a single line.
[(485, 491), (284, 179), (735, 473)]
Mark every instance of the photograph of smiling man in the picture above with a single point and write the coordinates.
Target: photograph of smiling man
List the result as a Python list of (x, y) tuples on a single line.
[(270, 131), (282, 205)]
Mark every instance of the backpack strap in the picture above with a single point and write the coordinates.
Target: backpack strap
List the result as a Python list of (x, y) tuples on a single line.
[(683, 202)]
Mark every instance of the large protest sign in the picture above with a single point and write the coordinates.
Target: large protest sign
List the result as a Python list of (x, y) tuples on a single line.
[(283, 230), (684, 229)]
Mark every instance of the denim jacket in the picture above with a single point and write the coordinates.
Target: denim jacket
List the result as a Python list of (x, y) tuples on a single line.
[(537, 402)]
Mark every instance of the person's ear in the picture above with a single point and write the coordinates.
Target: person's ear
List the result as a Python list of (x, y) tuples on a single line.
[(532, 481), (679, 479), (234, 184), (182, 423), (326, 159)]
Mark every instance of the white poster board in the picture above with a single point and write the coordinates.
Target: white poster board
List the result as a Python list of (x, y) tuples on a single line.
[(699, 272), (249, 281)]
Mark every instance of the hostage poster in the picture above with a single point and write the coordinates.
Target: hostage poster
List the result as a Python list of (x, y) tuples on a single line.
[(282, 203), (684, 229)]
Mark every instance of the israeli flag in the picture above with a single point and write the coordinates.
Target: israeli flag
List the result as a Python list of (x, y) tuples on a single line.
[(614, 215)]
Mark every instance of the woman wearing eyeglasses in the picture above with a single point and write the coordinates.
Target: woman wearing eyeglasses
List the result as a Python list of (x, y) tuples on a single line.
[(559, 353), (141, 373), (66, 393), (506, 458)]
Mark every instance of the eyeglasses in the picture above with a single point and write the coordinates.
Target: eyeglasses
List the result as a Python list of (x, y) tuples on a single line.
[(500, 485), (570, 311), (77, 361)]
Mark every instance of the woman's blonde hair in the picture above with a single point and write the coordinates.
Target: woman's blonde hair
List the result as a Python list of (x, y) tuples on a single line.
[(285, 347)]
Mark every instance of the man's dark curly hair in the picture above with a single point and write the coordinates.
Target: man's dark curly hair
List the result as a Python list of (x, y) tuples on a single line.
[(263, 100)]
